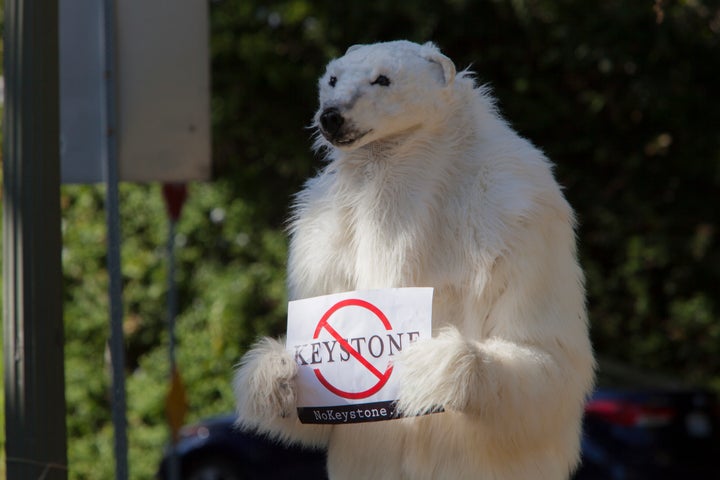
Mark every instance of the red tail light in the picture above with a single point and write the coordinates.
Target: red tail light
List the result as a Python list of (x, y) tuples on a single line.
[(629, 414)]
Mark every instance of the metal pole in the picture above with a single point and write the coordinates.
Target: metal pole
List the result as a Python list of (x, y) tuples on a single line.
[(172, 306), (172, 300), (175, 195), (112, 208), (32, 271)]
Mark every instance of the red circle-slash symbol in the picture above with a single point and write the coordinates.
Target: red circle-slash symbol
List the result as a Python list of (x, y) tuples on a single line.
[(323, 324)]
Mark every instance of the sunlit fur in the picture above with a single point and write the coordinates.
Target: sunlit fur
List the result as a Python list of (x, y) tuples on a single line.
[(442, 193)]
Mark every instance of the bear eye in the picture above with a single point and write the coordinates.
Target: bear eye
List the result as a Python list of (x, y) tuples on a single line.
[(332, 81), (381, 80)]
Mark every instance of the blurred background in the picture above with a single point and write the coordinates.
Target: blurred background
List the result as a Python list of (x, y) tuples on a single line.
[(622, 96)]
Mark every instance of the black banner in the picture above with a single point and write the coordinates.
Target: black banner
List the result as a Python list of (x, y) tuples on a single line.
[(366, 412)]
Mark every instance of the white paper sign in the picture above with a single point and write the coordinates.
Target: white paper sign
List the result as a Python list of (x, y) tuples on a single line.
[(345, 344)]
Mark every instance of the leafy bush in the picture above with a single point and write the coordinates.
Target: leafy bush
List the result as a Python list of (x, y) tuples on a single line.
[(231, 290)]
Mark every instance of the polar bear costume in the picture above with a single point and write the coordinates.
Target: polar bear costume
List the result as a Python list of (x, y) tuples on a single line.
[(426, 185)]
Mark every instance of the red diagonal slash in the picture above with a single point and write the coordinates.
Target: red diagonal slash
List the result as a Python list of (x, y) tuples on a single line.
[(353, 352), (382, 377)]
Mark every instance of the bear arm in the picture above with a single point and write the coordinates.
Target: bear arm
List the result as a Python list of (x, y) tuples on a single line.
[(530, 369), (522, 389), (538, 344), (264, 388)]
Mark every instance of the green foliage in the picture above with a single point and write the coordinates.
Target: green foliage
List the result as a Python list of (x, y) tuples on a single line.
[(231, 290), (619, 95)]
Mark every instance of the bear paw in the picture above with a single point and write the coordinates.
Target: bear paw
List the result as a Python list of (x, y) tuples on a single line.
[(438, 374), (264, 384)]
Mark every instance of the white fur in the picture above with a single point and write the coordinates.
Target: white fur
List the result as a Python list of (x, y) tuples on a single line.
[(437, 190)]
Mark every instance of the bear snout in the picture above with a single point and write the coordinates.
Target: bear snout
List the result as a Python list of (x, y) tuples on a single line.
[(331, 120)]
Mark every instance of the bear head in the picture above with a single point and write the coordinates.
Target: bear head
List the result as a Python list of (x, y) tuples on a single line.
[(380, 90)]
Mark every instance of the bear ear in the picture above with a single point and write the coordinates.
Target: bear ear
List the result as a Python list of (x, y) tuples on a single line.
[(431, 52), (353, 47)]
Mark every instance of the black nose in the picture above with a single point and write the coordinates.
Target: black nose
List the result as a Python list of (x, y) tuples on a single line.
[(331, 120)]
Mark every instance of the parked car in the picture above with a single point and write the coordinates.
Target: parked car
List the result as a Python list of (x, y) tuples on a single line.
[(637, 426), (214, 449), (640, 426)]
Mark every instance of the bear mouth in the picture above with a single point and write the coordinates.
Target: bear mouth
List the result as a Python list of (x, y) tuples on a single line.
[(347, 139)]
